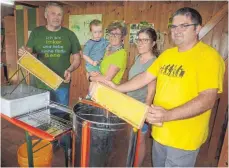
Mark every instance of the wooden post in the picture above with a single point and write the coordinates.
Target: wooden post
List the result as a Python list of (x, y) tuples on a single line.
[(136, 157), (223, 160), (213, 22), (25, 15), (37, 17)]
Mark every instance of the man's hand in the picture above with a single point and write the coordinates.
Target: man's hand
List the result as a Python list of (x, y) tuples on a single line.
[(21, 51), (67, 76), (157, 114)]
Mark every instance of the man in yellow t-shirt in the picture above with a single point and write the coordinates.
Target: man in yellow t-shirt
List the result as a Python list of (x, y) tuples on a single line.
[(189, 76)]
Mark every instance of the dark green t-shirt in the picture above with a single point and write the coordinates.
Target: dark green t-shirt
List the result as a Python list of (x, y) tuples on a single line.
[(53, 48)]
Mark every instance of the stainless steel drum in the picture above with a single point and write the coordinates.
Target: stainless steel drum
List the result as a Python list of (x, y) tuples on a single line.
[(107, 137)]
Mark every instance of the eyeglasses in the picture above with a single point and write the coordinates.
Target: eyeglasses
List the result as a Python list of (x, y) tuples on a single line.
[(182, 27), (142, 41), (114, 35)]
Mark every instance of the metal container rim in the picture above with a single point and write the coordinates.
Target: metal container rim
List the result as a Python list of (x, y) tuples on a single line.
[(94, 122)]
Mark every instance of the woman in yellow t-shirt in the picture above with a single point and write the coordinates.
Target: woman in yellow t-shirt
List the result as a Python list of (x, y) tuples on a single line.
[(114, 61)]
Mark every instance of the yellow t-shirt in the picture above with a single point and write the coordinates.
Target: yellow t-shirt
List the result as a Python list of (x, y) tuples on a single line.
[(119, 59), (181, 76)]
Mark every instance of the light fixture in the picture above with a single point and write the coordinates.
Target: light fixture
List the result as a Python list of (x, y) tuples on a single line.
[(7, 2)]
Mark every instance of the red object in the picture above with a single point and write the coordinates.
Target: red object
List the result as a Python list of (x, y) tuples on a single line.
[(136, 158), (85, 147), (91, 103), (33, 130)]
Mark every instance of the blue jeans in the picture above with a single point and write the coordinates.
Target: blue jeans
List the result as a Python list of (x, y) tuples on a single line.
[(61, 96), (145, 128)]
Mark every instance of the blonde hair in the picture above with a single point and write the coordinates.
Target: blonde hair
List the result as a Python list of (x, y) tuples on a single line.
[(118, 25), (95, 22)]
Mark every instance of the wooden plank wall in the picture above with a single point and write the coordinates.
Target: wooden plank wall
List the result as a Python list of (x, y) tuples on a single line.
[(157, 13), (223, 161), (217, 38), (10, 46)]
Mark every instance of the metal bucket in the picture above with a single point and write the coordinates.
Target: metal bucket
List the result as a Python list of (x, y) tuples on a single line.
[(101, 138)]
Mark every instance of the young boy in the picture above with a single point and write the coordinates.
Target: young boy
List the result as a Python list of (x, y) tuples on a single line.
[(94, 48)]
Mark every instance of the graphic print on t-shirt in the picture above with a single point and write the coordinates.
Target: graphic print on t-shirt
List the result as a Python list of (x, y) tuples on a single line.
[(53, 47), (172, 70)]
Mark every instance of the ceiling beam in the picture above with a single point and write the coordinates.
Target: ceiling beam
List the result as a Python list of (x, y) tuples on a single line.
[(213, 21), (31, 3)]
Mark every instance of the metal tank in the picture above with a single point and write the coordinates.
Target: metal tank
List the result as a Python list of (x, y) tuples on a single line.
[(101, 138)]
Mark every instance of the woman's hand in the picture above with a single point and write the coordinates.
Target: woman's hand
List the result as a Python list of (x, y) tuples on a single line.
[(95, 63), (110, 84), (96, 77), (94, 73)]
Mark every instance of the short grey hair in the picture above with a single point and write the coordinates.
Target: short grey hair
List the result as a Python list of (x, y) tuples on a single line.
[(53, 4), (118, 25)]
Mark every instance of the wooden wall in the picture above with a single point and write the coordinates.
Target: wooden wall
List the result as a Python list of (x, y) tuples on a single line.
[(10, 46), (157, 13), (223, 161)]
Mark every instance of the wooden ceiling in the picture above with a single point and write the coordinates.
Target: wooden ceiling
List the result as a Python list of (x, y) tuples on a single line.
[(44, 3)]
